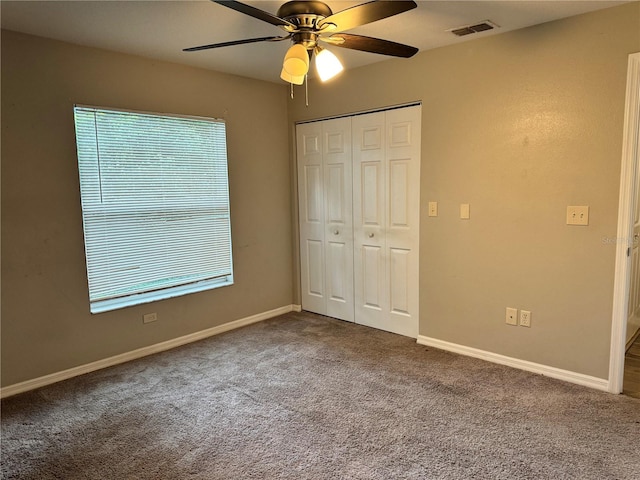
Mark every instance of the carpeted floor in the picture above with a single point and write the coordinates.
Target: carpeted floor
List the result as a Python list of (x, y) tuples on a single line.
[(306, 397)]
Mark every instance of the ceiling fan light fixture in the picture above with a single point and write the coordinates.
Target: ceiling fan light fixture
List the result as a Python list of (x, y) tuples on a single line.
[(308, 21), (327, 64), (296, 61), (295, 79)]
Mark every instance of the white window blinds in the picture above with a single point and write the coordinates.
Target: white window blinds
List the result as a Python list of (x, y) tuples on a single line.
[(155, 205)]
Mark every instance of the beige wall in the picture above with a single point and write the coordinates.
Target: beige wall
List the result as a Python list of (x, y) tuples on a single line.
[(519, 125), (46, 324)]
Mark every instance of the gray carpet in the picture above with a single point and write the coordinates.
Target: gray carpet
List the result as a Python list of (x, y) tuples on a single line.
[(306, 397)]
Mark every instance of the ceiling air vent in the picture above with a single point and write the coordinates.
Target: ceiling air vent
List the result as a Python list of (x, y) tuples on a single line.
[(469, 29)]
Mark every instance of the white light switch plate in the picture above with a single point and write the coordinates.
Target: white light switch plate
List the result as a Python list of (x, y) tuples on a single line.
[(433, 209), (464, 210), (578, 215)]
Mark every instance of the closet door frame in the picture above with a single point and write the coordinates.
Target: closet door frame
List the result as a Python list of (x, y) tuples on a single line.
[(322, 166)]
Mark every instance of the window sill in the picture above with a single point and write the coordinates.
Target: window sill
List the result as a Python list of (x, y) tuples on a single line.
[(147, 297)]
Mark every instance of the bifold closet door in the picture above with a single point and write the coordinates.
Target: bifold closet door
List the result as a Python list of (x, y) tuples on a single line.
[(325, 214), (386, 202), (359, 212)]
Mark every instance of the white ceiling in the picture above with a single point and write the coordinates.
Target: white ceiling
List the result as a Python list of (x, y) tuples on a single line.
[(161, 29)]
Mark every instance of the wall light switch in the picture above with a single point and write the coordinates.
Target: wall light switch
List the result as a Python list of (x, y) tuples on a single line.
[(464, 210), (578, 215), (433, 209)]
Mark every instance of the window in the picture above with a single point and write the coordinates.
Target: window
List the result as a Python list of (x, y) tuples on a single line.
[(155, 205)]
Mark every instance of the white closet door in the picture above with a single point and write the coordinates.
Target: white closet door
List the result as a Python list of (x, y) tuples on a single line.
[(359, 194), (311, 216), (369, 223), (326, 227), (338, 183), (386, 172)]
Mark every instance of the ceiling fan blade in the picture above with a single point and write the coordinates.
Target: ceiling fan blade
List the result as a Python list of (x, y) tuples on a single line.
[(255, 13), (366, 13), (369, 44), (235, 42)]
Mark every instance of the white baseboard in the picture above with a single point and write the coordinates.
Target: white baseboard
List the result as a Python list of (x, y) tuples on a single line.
[(296, 308), (566, 375), (140, 352)]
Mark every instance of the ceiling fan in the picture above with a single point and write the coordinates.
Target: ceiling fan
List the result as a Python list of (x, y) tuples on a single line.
[(307, 23)]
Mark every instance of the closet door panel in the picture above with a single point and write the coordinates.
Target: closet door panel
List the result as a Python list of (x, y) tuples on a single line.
[(315, 268), (371, 300), (403, 214), (399, 269), (337, 257), (311, 217), (338, 221), (371, 190), (336, 209), (373, 277), (399, 202), (313, 192)]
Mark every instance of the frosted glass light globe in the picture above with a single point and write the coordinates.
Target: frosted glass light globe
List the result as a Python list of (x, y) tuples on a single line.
[(328, 65), (296, 61)]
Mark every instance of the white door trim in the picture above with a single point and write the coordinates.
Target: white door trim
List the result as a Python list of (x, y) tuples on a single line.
[(631, 138), (362, 112)]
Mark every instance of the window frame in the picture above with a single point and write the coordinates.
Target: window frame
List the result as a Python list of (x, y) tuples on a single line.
[(165, 292)]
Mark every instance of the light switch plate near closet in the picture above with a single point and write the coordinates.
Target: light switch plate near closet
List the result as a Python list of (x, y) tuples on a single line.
[(578, 215), (464, 210)]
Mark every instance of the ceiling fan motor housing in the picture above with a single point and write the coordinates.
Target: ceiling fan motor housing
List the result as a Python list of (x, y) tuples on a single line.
[(305, 15), (301, 8)]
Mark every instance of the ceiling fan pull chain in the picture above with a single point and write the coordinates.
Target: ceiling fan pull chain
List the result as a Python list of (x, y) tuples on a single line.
[(306, 92), (291, 90)]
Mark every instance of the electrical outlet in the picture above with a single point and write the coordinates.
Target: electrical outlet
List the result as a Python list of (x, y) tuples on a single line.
[(150, 317), (512, 316), (525, 318)]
